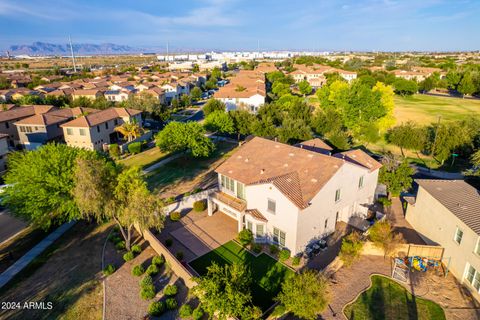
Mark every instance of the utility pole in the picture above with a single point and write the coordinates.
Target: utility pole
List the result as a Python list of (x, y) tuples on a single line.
[(73, 55)]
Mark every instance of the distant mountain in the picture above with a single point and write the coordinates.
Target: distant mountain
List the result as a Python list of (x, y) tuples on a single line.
[(43, 48)]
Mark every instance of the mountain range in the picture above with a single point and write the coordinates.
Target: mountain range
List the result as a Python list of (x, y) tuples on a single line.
[(43, 48)]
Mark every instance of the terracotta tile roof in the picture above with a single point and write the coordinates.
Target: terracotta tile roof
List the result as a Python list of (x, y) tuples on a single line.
[(256, 214), (45, 119), (102, 116), (235, 203), (315, 144), (17, 113), (359, 157), (459, 197), (298, 173), (85, 92)]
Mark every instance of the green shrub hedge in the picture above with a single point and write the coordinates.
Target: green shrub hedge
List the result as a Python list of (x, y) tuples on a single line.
[(171, 303), (199, 205), (185, 311), (135, 147), (128, 256), (175, 216), (138, 270), (170, 290), (156, 308), (109, 269)]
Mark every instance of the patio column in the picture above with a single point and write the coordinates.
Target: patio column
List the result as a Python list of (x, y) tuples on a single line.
[(209, 207), (240, 221)]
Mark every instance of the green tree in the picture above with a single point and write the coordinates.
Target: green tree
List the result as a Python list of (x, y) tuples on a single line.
[(225, 290), (405, 87), (219, 121), (397, 176), (102, 103), (453, 79), (81, 102), (466, 85), (351, 248), (242, 122), (447, 137), (216, 74), (304, 87), (40, 184), (213, 105), (408, 136), (143, 101), (294, 130), (4, 83), (29, 99), (196, 94), (383, 236), (185, 137), (185, 100), (305, 294)]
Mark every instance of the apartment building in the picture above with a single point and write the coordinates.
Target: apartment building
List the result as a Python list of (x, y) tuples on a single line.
[(289, 195)]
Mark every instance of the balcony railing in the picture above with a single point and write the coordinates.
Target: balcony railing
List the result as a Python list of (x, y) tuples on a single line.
[(235, 203)]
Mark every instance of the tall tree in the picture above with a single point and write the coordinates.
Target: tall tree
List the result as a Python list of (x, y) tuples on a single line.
[(397, 176), (304, 87), (219, 121), (383, 236), (294, 130), (213, 105), (242, 122), (130, 130), (447, 137), (196, 94), (305, 294), (466, 85), (408, 136), (405, 87)]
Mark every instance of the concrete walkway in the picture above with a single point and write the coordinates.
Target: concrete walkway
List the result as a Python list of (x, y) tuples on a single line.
[(33, 253), (161, 163), (187, 202)]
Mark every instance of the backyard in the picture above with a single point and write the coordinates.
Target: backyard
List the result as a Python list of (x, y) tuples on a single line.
[(386, 299), (144, 159), (267, 273)]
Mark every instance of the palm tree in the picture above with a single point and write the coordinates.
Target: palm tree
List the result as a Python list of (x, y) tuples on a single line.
[(130, 130)]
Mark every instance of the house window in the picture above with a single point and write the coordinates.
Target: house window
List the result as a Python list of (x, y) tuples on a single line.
[(473, 277), (337, 195), (22, 129), (250, 226), (228, 183), (98, 128), (82, 132), (271, 207), (106, 125), (360, 182), (28, 129), (260, 232), (477, 247), (326, 223), (458, 235), (69, 131), (115, 121), (7, 125), (240, 190), (279, 237)]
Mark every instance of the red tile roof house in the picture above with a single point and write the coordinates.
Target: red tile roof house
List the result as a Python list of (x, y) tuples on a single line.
[(289, 195)]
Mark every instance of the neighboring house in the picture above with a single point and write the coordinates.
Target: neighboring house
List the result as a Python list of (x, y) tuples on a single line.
[(3, 151), (6, 95), (317, 145), (117, 95), (95, 130), (315, 75), (157, 93), (39, 129), (447, 213), (91, 94), (171, 91), (289, 195)]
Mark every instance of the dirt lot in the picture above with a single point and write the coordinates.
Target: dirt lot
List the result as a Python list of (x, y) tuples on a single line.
[(70, 278)]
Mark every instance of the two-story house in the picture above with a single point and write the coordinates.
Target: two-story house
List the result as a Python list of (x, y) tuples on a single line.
[(95, 130), (291, 195), (447, 213)]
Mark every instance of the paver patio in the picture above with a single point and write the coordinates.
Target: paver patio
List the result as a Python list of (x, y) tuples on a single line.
[(203, 235)]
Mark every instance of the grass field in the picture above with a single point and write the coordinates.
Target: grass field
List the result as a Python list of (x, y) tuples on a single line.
[(426, 109), (386, 299), (145, 158), (267, 273)]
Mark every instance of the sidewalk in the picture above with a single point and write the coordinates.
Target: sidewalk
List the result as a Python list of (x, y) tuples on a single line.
[(21, 263), (161, 163)]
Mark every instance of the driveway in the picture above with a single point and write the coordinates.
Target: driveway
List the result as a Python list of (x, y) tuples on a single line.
[(9, 225)]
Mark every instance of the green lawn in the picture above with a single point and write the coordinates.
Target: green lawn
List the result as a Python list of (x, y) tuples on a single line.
[(145, 158), (426, 109), (267, 273), (387, 299)]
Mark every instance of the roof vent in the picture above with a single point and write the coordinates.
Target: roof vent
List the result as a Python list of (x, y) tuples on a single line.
[(310, 155), (262, 171), (291, 154), (277, 146), (354, 156), (239, 157), (314, 180), (230, 171), (246, 159), (285, 165)]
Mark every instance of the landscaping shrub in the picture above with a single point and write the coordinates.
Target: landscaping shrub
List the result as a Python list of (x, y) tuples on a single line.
[(196, 190), (128, 256), (136, 249), (175, 216), (296, 261), (156, 308), (138, 270), (168, 242), (179, 255), (284, 255), (385, 201), (256, 247), (273, 249), (170, 200), (146, 281), (114, 150), (135, 147), (152, 270), (158, 260), (170, 290), (245, 237), (109, 269), (197, 313), (185, 311), (199, 205), (171, 303), (147, 292), (351, 248), (278, 311), (186, 194), (120, 245)]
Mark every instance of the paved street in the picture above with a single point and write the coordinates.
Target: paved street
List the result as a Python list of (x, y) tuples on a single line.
[(9, 225)]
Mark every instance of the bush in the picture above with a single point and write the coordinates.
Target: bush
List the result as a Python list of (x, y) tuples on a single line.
[(158, 260), (273, 249), (185, 311), (138, 270), (278, 311), (175, 216), (296, 261), (171, 303), (152, 270), (197, 313), (156, 308), (385, 201), (245, 237), (128, 256), (186, 194), (351, 248), (109, 269), (135, 147), (136, 249), (120, 245), (114, 150), (168, 242), (170, 290), (199, 205), (179, 255), (146, 281), (256, 247), (170, 200), (284, 255), (147, 292)]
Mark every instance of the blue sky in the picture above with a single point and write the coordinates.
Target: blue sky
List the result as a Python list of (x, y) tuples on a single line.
[(238, 24)]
